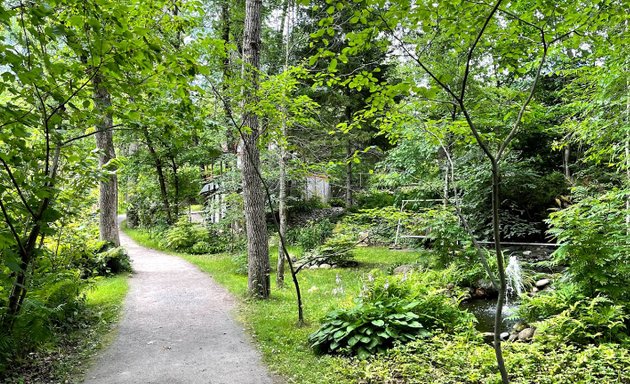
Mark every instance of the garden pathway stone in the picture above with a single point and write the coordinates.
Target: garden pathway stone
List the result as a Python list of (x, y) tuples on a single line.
[(176, 327)]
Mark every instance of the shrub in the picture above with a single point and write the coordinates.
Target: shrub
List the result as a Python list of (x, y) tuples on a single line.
[(391, 310), (447, 237), (589, 321), (595, 244), (374, 199), (379, 223), (311, 235), (548, 303), (184, 234), (111, 262), (368, 328)]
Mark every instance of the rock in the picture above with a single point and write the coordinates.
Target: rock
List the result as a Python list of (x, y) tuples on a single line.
[(526, 334), (325, 266), (487, 286), (480, 293), (535, 290), (450, 286), (504, 335), (488, 336), (513, 337), (364, 239), (401, 270), (519, 326), (542, 283), (527, 253)]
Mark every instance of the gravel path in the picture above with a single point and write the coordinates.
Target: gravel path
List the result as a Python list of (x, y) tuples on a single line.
[(176, 328)]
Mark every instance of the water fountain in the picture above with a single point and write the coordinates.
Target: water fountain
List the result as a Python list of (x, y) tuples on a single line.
[(485, 310), (514, 278)]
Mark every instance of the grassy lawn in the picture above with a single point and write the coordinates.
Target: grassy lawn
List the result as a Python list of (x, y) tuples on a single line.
[(272, 323)]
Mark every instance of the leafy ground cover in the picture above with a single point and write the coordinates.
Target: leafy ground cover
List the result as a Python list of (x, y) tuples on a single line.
[(64, 359)]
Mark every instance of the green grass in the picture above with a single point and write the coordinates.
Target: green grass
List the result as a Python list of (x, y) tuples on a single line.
[(104, 302), (107, 296), (273, 323)]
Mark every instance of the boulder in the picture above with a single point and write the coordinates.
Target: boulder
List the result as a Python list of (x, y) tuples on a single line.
[(513, 337), (488, 336), (480, 293), (401, 270), (325, 266), (519, 327), (542, 283), (526, 334), (504, 336), (364, 239)]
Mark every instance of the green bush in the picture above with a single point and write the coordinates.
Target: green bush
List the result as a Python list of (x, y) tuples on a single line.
[(184, 234), (595, 243), (589, 321), (391, 310), (548, 303), (311, 235), (379, 223), (447, 237), (112, 261), (368, 328), (374, 199)]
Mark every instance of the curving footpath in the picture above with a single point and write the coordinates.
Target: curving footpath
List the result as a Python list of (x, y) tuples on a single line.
[(176, 328)]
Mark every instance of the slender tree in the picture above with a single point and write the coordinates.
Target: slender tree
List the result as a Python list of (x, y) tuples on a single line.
[(108, 186), (253, 193)]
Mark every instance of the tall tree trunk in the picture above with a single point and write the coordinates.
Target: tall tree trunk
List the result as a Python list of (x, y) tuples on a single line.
[(176, 201), (253, 192), (231, 136), (108, 188), (566, 155), (349, 154), (159, 169), (282, 194), (496, 229)]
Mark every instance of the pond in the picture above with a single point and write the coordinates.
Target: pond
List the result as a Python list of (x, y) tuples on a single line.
[(485, 309)]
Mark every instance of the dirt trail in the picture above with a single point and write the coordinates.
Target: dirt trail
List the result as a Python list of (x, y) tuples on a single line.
[(176, 327)]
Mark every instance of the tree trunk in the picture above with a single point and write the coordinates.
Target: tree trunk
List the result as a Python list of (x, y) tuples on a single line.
[(159, 169), (108, 188), (496, 229), (566, 155), (282, 194), (349, 154), (282, 208), (253, 192), (176, 201)]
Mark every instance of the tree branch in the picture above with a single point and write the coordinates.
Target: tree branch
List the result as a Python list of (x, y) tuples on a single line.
[(7, 219), (532, 89), (17, 186), (473, 46), (112, 128)]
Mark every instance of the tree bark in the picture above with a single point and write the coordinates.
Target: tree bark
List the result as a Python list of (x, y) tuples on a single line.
[(108, 188), (159, 169), (253, 192), (349, 154)]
